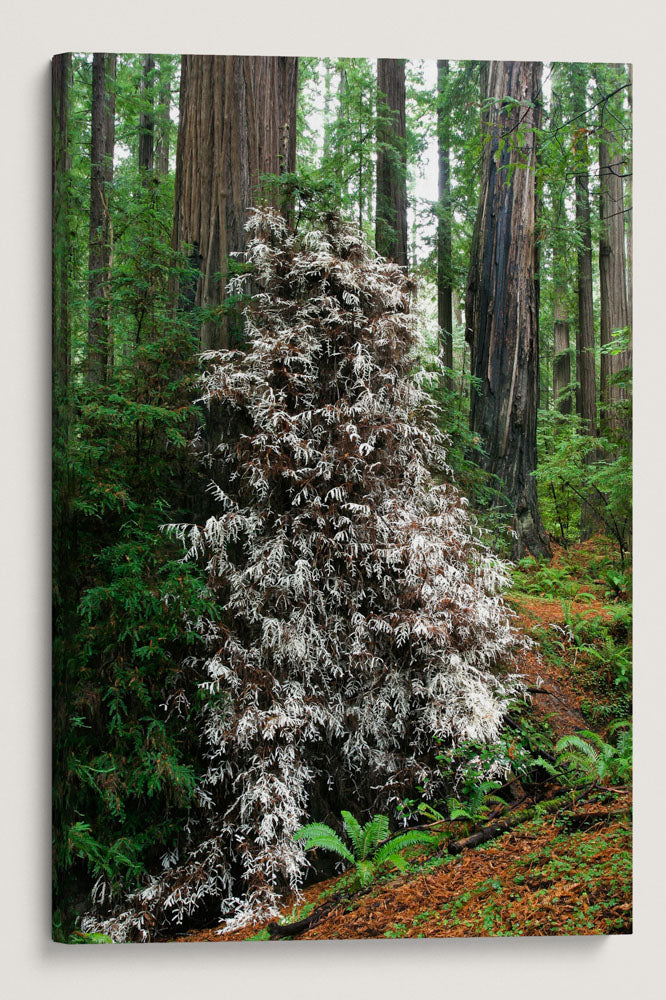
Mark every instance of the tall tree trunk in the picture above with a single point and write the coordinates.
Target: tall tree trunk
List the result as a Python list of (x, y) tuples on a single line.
[(101, 234), (560, 228), (328, 118), (61, 71), (109, 148), (612, 259), (163, 118), (586, 394), (502, 303), (391, 214), (237, 122), (561, 356), (147, 119), (444, 240), (629, 214)]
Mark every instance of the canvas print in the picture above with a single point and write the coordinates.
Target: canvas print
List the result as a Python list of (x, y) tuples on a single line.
[(341, 498)]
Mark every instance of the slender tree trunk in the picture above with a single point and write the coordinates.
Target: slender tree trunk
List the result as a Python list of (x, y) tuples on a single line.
[(109, 149), (561, 355), (237, 122), (61, 71), (502, 300), (147, 119), (163, 118), (391, 214), (586, 394), (328, 122), (444, 239), (101, 234), (360, 161), (628, 216), (612, 261), (560, 228)]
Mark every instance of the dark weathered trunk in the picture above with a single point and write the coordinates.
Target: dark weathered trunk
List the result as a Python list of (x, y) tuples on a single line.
[(163, 117), (237, 122), (61, 70), (502, 300), (391, 213), (147, 119), (444, 242), (612, 263), (101, 234), (586, 395)]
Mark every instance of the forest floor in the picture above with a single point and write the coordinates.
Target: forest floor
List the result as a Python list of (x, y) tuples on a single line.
[(559, 871)]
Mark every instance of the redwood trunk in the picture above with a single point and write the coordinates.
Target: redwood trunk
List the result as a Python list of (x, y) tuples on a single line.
[(61, 70), (100, 234), (147, 119), (561, 356), (612, 264), (628, 214), (586, 396), (163, 118), (561, 344), (502, 301), (444, 241), (237, 122), (391, 214)]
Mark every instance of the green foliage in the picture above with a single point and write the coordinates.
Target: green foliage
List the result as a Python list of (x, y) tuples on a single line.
[(538, 577), (478, 801), (322, 837), (581, 478), (372, 849), (465, 449), (583, 757), (125, 752)]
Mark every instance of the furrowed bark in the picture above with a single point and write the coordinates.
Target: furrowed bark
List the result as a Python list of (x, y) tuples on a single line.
[(444, 240), (391, 216), (502, 300), (237, 123), (100, 233)]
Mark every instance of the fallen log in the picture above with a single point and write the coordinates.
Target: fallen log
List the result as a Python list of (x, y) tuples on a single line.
[(299, 926), (493, 830)]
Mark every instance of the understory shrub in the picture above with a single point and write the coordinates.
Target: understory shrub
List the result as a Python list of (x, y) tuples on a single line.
[(361, 626)]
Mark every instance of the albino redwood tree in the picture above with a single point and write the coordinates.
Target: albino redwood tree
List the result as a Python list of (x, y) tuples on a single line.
[(360, 613)]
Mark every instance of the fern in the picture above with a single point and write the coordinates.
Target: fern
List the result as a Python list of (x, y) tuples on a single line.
[(389, 851), (587, 756), (374, 831), (370, 843), (353, 828), (319, 835)]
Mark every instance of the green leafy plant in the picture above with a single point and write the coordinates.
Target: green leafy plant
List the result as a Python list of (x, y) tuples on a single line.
[(477, 803), (584, 756), (370, 846)]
